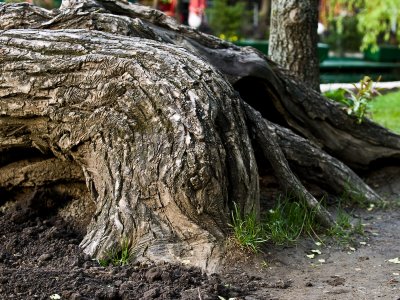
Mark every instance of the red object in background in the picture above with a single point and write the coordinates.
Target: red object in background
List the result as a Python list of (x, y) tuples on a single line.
[(168, 8), (197, 7)]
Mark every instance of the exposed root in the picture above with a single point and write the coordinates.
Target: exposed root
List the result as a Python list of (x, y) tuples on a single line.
[(267, 139)]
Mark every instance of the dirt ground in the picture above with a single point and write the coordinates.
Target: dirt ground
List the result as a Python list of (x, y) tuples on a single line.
[(359, 270), (40, 259)]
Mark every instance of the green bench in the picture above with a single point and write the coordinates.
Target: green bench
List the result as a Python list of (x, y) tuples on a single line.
[(342, 70)]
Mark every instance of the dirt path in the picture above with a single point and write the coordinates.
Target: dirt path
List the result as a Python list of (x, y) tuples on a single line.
[(358, 271)]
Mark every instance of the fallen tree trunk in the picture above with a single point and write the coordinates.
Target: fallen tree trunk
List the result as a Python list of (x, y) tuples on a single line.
[(146, 114)]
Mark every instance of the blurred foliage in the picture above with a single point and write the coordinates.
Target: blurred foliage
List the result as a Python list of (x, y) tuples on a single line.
[(378, 20), (228, 21), (343, 35)]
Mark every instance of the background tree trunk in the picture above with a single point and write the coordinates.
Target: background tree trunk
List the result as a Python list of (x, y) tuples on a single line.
[(264, 19), (293, 38), (147, 114)]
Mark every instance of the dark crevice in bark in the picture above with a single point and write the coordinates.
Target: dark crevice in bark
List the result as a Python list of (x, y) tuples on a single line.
[(381, 163), (264, 166), (5, 196), (44, 200), (14, 154), (254, 91)]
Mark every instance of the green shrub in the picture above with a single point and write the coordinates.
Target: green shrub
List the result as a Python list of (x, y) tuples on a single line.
[(343, 35), (49, 4), (228, 21)]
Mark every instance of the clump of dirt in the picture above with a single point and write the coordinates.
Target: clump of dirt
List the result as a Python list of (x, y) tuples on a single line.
[(40, 257)]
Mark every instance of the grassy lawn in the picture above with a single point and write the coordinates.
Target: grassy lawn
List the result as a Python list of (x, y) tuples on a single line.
[(386, 111)]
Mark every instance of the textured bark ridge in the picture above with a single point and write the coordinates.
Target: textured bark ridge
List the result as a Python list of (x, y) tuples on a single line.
[(160, 122)]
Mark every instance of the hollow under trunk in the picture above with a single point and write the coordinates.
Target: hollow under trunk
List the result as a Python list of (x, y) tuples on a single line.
[(161, 123)]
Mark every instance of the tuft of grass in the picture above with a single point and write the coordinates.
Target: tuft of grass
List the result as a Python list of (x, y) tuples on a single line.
[(344, 231), (358, 228), (288, 220), (389, 204), (351, 196), (117, 256), (247, 230), (343, 219), (385, 110)]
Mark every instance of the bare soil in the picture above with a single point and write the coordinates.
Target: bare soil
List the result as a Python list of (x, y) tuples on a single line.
[(40, 257)]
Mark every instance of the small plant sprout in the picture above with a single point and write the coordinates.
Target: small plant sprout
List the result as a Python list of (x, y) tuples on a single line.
[(264, 264), (356, 103), (343, 219), (247, 230), (118, 256)]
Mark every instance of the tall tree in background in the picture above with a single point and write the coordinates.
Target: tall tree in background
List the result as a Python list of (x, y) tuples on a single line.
[(264, 15), (293, 38)]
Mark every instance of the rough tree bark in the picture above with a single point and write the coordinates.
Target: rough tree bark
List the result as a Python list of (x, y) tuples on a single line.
[(160, 122), (293, 38)]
